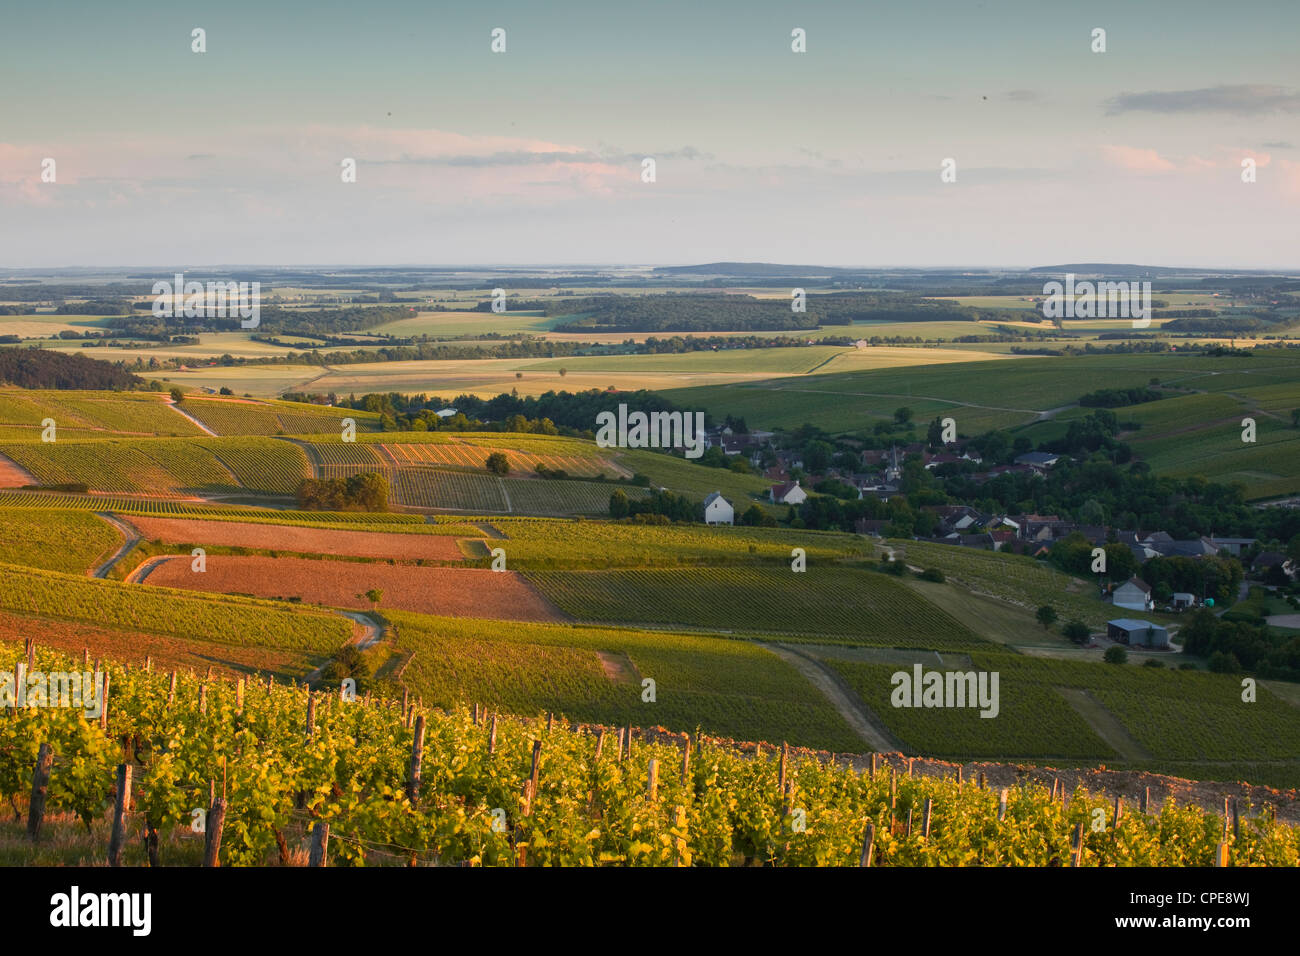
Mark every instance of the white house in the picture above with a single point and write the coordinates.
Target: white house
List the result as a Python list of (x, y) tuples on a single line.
[(788, 493), (1134, 594), (718, 510)]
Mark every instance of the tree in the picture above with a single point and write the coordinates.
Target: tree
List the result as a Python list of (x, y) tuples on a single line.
[(497, 463), (934, 434), (618, 504), (752, 516), (1295, 418), (1077, 632), (176, 394), (1293, 549), (1224, 662), (563, 371), (1046, 616), (1115, 654), (374, 596), (225, 391), (902, 415)]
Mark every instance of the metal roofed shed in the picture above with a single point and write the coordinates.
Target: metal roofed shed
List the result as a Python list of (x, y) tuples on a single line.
[(1137, 633)]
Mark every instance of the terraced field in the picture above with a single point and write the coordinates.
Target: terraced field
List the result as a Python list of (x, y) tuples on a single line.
[(731, 687), (837, 605)]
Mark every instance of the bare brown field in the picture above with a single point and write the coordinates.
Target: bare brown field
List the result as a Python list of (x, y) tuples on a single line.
[(453, 592), (132, 647), (13, 475), (359, 544)]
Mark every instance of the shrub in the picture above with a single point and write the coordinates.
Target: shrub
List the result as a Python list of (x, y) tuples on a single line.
[(497, 463), (932, 574), (1077, 632), (1115, 654)]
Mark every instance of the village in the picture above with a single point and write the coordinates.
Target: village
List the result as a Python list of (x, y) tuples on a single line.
[(1032, 535)]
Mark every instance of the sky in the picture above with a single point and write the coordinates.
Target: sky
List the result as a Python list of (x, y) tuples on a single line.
[(168, 157)]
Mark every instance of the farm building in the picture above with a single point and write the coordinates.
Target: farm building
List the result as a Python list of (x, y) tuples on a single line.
[(1137, 633), (1038, 459), (1134, 594), (718, 510), (1183, 600), (788, 493)]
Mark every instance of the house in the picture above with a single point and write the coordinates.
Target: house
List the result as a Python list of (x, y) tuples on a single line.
[(445, 412), (1134, 594), (718, 510), (1183, 600), (788, 493), (1126, 630), (1038, 460)]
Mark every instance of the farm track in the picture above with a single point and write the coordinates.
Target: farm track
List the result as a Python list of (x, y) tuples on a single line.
[(1104, 724), (132, 538), (371, 634), (840, 696), (180, 411)]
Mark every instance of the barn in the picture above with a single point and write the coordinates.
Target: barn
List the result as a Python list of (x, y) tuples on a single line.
[(1136, 633)]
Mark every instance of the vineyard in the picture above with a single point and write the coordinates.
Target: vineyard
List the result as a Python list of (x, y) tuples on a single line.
[(224, 620), (422, 486), (474, 457), (1009, 577), (841, 604), (166, 466), (547, 544), (71, 541), (1186, 721), (227, 417), (85, 414), (730, 687), (270, 767), (50, 503)]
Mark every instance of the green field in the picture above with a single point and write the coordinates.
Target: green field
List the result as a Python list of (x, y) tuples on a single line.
[(979, 395), (837, 604)]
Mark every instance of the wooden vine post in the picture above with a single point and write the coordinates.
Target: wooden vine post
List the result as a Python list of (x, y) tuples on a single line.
[(40, 791), (121, 804), (417, 759)]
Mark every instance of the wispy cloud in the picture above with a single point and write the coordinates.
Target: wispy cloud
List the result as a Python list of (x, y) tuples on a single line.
[(1136, 159), (1242, 99)]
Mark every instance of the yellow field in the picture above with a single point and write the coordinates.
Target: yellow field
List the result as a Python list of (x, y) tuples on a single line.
[(488, 377)]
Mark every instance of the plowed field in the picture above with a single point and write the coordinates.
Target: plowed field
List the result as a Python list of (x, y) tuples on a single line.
[(454, 592)]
